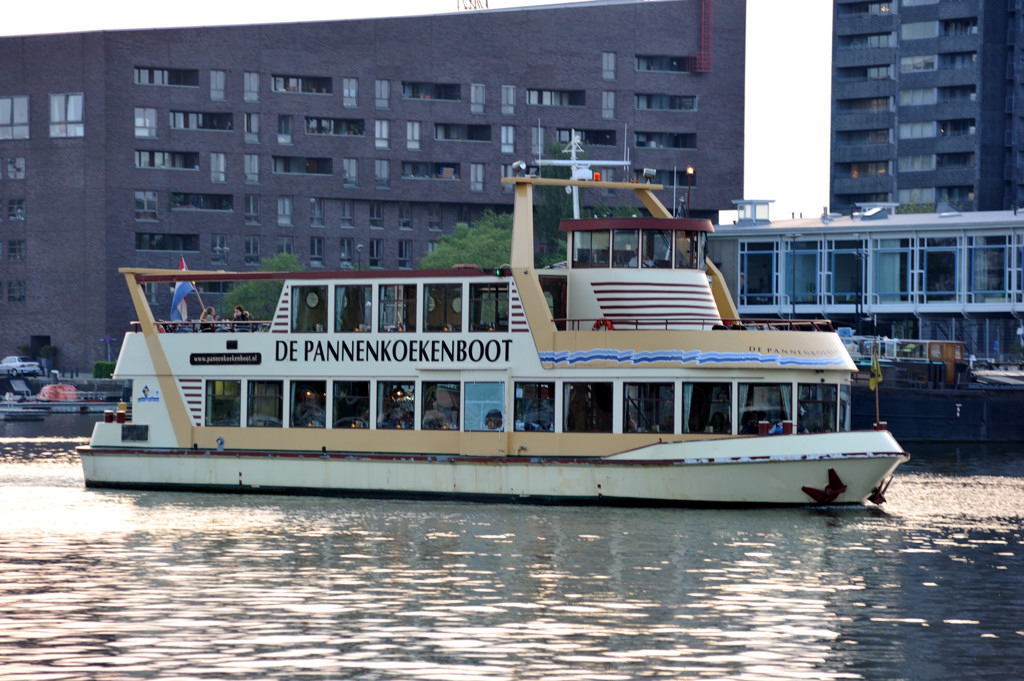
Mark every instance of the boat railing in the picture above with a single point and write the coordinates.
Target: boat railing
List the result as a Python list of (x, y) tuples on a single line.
[(696, 323), (196, 326)]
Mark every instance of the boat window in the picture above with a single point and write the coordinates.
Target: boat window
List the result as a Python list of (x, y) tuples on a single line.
[(398, 307), (440, 406), (485, 406), (625, 247), (351, 404), (769, 402), (443, 308), (534, 407), (309, 309), (707, 408), (588, 408), (816, 410), (265, 404), (554, 294), (352, 308), (657, 248), (590, 249), (648, 408), (309, 404), (223, 403), (396, 404), (488, 309)]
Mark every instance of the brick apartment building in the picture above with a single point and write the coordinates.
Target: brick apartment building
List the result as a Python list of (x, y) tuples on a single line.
[(348, 143)]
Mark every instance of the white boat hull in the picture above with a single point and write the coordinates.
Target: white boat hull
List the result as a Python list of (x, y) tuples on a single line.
[(734, 471)]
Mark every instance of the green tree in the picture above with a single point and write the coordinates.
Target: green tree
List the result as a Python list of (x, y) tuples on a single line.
[(486, 243), (260, 297)]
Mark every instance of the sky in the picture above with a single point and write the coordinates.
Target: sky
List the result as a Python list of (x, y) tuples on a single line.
[(786, 157)]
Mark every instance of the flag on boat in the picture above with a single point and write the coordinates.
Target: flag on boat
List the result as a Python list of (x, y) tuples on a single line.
[(179, 304), (876, 369)]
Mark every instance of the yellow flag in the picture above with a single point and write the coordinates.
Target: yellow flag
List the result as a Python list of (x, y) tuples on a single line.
[(876, 370)]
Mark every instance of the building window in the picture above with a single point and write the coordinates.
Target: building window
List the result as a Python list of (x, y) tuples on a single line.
[(300, 84), (16, 209), (476, 177), (847, 278), (252, 209), (181, 160), (917, 130), (349, 92), (252, 250), (339, 127), (284, 129), (345, 255), (375, 256), (537, 140), (251, 86), (145, 205), (893, 273), (477, 98), (14, 118), (508, 139), (939, 262), (919, 29), (382, 94), (918, 97), (412, 135), (664, 102), (434, 217), (660, 62), (316, 252), (201, 120), (587, 407), (16, 250), (404, 254), (217, 84), (284, 244), (16, 168), (556, 97), (346, 208), (508, 100), (218, 167), (376, 214), (802, 269), (988, 262), (67, 115), (145, 121), (916, 63), (350, 172), (284, 211), (405, 215), (608, 65), (396, 405), (252, 128), (381, 133), (218, 249), (757, 274), (158, 76), (316, 212), (252, 168), (382, 173), (303, 165), (16, 292)]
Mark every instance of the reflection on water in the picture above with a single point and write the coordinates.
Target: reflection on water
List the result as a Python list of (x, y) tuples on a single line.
[(127, 585)]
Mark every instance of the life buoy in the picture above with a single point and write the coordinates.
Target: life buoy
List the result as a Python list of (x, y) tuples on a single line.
[(605, 324)]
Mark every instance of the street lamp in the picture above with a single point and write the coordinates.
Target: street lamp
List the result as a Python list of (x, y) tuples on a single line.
[(359, 256), (689, 185), (859, 301)]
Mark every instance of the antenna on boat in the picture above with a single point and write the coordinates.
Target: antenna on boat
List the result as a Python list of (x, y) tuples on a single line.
[(580, 169)]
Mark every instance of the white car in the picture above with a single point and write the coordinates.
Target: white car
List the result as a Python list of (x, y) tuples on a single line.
[(19, 366)]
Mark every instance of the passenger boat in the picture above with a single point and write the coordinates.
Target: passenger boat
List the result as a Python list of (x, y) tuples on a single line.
[(623, 377)]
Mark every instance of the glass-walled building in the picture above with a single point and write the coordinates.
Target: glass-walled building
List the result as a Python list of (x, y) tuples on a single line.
[(955, 276)]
